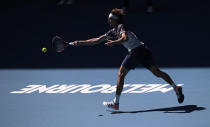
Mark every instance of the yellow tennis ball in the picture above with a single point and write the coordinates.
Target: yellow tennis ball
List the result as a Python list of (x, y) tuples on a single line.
[(44, 49)]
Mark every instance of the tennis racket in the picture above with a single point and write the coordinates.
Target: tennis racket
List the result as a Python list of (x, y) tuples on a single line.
[(59, 45)]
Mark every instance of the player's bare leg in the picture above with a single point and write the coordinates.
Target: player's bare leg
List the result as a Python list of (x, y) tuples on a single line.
[(120, 83), (157, 72)]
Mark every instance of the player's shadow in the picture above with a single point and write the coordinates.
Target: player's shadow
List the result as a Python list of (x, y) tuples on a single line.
[(178, 109)]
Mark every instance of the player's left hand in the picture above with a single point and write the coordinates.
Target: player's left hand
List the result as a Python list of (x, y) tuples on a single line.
[(109, 43)]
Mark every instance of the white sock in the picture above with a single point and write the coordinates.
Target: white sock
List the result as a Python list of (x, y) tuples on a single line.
[(174, 86), (116, 99)]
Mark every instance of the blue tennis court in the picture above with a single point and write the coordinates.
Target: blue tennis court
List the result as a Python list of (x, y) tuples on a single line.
[(73, 98)]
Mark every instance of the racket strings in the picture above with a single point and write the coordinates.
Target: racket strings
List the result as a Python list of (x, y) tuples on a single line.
[(58, 44)]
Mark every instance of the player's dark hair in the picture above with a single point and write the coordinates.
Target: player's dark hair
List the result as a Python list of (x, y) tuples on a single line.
[(120, 13)]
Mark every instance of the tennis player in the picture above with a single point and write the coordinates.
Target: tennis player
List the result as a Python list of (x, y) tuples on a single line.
[(137, 54)]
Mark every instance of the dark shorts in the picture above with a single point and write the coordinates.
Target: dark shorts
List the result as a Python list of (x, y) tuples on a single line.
[(139, 55)]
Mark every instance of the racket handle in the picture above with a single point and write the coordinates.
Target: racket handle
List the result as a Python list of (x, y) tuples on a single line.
[(70, 43)]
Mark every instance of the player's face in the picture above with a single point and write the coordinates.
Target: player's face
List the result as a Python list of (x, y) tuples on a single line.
[(112, 22)]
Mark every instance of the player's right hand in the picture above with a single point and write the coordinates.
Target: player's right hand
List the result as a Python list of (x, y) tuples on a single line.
[(76, 43)]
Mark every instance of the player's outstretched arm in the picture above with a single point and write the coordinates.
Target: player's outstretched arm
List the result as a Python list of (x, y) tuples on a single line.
[(91, 41)]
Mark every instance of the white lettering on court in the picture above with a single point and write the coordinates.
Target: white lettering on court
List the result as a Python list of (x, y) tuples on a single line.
[(88, 88)]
